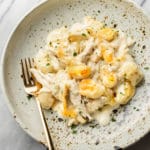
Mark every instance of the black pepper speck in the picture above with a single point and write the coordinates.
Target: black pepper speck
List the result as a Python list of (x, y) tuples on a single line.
[(115, 25), (60, 119), (117, 148), (143, 46), (97, 142)]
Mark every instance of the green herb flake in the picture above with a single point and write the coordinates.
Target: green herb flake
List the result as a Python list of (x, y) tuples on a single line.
[(93, 125), (125, 75), (80, 112), (98, 11), (137, 109), (83, 34), (121, 93), (74, 54), (29, 96), (73, 127), (113, 119), (74, 131), (47, 64), (50, 43), (146, 68)]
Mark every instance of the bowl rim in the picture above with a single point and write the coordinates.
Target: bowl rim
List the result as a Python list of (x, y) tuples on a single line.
[(3, 56), (2, 75)]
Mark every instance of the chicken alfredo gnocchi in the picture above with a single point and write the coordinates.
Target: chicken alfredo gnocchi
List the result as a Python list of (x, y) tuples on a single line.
[(85, 72)]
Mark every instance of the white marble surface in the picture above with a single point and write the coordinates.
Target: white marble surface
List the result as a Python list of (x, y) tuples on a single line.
[(12, 137)]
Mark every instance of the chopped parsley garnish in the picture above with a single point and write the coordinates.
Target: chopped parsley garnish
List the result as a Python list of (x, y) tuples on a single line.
[(113, 119), (146, 68), (80, 112), (83, 34), (93, 125), (98, 11), (117, 148), (47, 64), (136, 109), (29, 96), (121, 93), (50, 43), (74, 131), (74, 54), (73, 127)]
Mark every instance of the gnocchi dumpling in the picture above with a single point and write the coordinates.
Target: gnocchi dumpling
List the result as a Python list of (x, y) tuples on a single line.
[(107, 34), (108, 55), (79, 71), (46, 100), (124, 93), (46, 63), (109, 79), (130, 72), (91, 89)]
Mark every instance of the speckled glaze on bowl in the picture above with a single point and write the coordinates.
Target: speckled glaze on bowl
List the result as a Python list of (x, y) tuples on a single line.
[(132, 120)]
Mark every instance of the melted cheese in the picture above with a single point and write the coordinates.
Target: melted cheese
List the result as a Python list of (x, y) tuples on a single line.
[(67, 112)]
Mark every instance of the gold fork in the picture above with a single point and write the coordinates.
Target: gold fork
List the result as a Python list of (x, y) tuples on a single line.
[(29, 82)]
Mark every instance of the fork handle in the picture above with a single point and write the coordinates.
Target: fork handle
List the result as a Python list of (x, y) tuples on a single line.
[(45, 126)]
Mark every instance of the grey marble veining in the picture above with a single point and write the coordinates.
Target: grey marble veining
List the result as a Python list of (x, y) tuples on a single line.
[(12, 137)]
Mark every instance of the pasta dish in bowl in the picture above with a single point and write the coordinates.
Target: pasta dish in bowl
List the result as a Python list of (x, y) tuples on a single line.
[(85, 72)]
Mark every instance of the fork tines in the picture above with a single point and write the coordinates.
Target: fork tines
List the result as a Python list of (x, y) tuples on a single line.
[(26, 64)]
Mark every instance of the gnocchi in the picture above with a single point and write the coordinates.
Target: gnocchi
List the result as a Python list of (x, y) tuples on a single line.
[(107, 34), (46, 62), (91, 89), (46, 100), (79, 71), (130, 72), (109, 79), (124, 92)]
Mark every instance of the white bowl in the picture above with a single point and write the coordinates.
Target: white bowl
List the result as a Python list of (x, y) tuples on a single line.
[(132, 121)]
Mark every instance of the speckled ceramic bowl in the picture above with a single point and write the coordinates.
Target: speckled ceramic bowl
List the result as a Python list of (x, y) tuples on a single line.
[(132, 120)]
